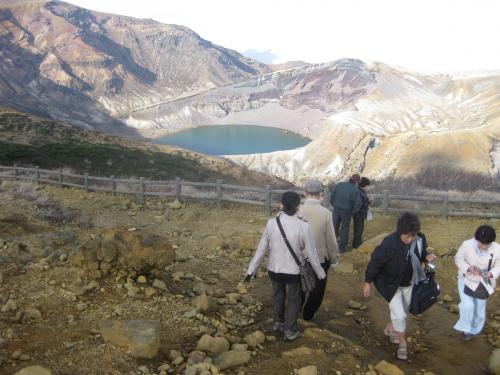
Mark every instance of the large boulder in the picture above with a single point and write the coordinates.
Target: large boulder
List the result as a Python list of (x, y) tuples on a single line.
[(308, 370), (111, 248), (34, 370), (495, 362), (140, 337)]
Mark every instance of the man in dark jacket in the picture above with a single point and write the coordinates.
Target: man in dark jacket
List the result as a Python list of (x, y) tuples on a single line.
[(394, 269), (358, 219), (346, 201)]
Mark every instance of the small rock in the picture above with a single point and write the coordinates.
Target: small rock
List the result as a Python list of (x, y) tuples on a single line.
[(447, 298), (178, 276), (16, 354), (160, 285), (196, 357), (149, 292), (34, 370), (494, 364), (255, 338), (309, 370), (24, 357), (214, 345), (354, 304), (190, 371), (453, 309), (231, 359), (141, 337), (239, 347), (3, 343), (387, 368), (142, 279)]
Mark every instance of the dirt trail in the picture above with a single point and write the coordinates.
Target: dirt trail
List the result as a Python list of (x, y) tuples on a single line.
[(215, 247)]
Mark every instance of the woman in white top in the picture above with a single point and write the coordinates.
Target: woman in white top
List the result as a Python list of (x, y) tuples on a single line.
[(478, 262), (282, 268)]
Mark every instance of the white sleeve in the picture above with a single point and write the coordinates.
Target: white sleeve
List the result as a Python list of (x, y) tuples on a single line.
[(311, 252), (460, 261), (261, 252)]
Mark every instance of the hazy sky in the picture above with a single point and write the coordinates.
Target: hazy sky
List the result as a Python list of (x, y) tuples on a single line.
[(425, 35)]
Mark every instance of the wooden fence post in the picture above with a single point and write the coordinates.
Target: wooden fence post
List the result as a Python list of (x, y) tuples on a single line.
[(61, 177), (219, 193), (444, 208), (142, 189), (37, 174), (268, 200), (86, 182), (113, 185), (15, 172), (178, 188), (326, 197), (385, 202)]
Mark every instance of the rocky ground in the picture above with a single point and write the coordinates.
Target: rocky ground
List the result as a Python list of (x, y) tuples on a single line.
[(97, 284)]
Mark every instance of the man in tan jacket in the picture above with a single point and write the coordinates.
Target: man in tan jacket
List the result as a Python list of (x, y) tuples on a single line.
[(320, 220)]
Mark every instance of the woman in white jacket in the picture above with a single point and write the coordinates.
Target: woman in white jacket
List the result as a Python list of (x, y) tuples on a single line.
[(478, 262), (282, 268)]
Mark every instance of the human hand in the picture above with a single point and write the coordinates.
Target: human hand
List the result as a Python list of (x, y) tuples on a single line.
[(474, 270), (431, 258), (366, 289), (248, 278)]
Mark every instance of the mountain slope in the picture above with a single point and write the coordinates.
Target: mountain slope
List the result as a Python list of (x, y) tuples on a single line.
[(86, 67), (27, 140)]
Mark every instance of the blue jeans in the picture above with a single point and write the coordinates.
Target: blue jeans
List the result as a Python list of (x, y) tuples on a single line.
[(472, 312), (342, 220)]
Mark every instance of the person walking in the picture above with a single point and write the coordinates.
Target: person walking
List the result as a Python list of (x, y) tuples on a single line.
[(320, 220), (346, 201), (282, 268), (478, 262), (358, 219), (395, 266)]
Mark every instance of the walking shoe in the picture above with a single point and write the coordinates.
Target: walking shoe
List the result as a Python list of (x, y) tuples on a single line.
[(278, 327), (467, 336), (393, 337), (290, 336), (402, 353)]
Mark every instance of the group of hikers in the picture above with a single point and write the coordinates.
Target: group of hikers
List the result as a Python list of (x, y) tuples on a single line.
[(305, 235)]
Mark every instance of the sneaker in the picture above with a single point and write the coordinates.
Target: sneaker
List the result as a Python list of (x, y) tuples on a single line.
[(278, 327), (467, 336), (290, 336)]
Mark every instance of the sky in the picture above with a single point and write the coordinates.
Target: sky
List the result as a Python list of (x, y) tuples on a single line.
[(421, 35)]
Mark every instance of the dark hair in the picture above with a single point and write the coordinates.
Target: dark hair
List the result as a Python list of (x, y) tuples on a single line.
[(408, 223), (291, 202), (364, 182), (485, 234)]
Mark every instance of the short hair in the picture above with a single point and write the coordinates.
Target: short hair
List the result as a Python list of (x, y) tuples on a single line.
[(291, 202), (364, 182), (485, 234), (408, 223)]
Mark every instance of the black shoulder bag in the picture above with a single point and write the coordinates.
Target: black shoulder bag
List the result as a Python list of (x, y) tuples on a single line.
[(307, 274), (481, 292)]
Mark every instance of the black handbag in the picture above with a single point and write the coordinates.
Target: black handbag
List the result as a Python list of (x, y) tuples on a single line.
[(307, 274), (481, 292), (424, 294)]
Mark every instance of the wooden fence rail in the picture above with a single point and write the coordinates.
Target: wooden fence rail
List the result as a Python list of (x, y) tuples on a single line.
[(220, 192)]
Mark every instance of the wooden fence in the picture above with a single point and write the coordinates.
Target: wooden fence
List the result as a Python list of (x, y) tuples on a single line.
[(265, 197)]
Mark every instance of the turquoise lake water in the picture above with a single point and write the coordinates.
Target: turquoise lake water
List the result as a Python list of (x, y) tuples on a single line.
[(234, 139)]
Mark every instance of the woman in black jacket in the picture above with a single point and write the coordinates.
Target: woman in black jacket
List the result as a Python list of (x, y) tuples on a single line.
[(395, 266)]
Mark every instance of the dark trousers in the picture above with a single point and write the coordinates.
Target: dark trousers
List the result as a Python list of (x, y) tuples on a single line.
[(342, 220), (291, 293), (316, 296), (358, 227)]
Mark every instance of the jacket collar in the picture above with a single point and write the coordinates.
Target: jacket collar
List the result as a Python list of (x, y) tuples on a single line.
[(311, 201)]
